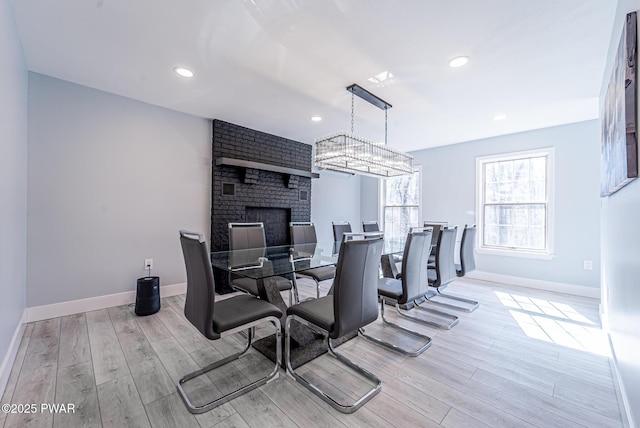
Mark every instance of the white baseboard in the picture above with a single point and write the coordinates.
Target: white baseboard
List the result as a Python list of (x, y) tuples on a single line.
[(623, 391), (558, 287), (10, 356), (62, 309)]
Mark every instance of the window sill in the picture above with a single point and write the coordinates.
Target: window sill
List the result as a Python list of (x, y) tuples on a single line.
[(513, 253)]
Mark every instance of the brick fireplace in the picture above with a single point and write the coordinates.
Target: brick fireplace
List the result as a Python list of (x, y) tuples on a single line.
[(257, 177)]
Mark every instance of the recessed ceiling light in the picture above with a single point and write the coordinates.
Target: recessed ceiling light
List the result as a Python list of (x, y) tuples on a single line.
[(381, 77), (499, 117), (458, 61), (316, 118), (184, 72)]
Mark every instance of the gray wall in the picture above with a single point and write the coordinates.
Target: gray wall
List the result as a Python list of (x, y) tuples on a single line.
[(334, 197), (110, 183), (111, 180), (370, 199), (449, 194), (13, 181), (621, 260)]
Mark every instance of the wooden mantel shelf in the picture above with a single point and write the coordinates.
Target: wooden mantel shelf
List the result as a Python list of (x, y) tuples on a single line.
[(265, 167)]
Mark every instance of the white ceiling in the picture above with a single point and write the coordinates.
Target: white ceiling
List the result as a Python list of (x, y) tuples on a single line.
[(271, 64)]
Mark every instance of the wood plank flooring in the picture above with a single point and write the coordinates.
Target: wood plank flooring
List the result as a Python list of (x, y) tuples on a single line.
[(525, 358)]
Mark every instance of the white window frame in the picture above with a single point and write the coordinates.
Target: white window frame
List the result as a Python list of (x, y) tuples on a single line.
[(548, 252), (382, 198)]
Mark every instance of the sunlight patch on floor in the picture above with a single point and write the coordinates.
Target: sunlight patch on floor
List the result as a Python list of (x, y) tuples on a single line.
[(555, 322), (541, 306)]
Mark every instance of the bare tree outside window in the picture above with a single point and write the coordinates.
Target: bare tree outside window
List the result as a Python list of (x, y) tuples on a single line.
[(401, 205), (515, 202)]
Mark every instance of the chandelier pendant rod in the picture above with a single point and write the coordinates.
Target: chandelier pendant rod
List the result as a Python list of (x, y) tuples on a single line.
[(349, 153), (352, 111), (358, 90), (368, 96)]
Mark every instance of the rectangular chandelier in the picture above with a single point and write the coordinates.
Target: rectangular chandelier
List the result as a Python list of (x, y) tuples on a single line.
[(352, 154), (346, 152)]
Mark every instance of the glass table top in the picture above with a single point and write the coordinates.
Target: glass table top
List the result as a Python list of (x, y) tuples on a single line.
[(274, 261), (263, 262)]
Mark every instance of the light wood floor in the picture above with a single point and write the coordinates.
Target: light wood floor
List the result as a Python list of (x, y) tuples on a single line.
[(525, 358)]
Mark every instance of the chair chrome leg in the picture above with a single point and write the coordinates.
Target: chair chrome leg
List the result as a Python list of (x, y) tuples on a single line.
[(454, 319), (317, 287), (294, 288), (245, 334), (348, 408), (245, 388), (473, 303), (411, 353)]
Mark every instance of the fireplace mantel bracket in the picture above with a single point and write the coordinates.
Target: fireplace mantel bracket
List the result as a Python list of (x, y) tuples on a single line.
[(265, 167)]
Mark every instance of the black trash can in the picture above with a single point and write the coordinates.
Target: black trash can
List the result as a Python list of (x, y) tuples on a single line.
[(148, 295)]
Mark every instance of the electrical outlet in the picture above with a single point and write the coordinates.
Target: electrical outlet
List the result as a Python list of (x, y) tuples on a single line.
[(148, 264), (588, 265)]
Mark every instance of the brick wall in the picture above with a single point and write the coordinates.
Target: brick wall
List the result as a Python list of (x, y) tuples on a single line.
[(255, 188)]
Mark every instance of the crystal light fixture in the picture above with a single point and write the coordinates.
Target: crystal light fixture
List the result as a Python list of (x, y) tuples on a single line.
[(349, 153)]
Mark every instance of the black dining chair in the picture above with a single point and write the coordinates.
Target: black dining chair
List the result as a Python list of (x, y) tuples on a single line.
[(467, 258), (250, 236), (215, 320), (452, 320), (405, 291), (393, 268), (304, 234), (351, 304), (339, 229), (437, 226), (370, 226), (444, 272)]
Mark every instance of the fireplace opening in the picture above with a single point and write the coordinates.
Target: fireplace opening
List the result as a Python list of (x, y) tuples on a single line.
[(276, 223)]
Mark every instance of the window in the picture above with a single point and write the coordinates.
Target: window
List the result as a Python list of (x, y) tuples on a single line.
[(514, 202), (400, 204)]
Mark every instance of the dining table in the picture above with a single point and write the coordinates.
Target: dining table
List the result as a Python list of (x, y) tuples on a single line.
[(263, 264)]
